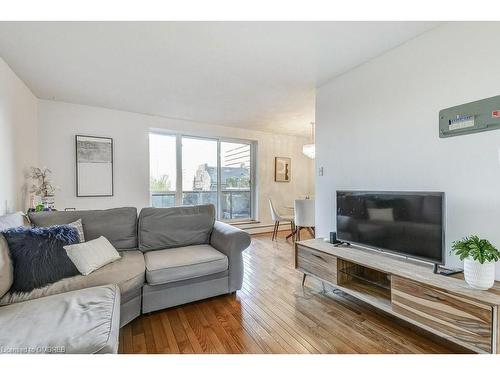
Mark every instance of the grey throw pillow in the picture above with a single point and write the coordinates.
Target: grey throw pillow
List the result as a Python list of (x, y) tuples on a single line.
[(79, 228)]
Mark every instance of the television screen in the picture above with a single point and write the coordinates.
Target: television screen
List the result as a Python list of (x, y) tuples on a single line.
[(407, 223)]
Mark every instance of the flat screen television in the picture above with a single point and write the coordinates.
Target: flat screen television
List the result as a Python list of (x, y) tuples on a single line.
[(406, 223)]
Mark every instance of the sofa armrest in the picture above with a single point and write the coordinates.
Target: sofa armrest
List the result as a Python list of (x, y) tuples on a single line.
[(228, 239), (232, 242)]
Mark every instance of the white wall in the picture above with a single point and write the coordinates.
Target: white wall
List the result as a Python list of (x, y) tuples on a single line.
[(377, 128), (18, 139), (60, 122)]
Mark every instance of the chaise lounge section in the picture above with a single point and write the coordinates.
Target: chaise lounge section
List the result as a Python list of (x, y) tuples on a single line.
[(84, 321)]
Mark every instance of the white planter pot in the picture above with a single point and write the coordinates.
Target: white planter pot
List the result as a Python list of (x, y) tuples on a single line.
[(49, 201), (479, 276)]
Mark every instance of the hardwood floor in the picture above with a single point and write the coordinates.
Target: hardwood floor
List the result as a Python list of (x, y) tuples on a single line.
[(273, 313)]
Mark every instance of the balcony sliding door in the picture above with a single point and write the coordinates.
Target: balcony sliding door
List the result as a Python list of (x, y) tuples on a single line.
[(199, 171), (236, 198), (162, 170), (190, 170)]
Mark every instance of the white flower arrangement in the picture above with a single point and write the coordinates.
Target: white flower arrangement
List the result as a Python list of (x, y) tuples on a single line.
[(42, 186)]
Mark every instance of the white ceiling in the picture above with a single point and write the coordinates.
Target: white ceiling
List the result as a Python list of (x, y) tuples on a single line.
[(257, 75)]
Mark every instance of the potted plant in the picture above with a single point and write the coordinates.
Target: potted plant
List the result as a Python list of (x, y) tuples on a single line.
[(43, 187), (479, 257)]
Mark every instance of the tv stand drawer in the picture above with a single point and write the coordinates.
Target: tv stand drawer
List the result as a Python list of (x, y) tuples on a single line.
[(317, 263), (459, 318)]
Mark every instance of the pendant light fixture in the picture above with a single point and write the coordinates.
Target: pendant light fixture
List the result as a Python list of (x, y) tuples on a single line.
[(309, 150)]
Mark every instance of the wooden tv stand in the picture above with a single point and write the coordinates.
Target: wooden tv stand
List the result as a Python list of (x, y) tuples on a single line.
[(445, 306)]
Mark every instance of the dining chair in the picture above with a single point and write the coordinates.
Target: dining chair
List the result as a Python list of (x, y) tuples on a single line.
[(277, 218), (304, 216)]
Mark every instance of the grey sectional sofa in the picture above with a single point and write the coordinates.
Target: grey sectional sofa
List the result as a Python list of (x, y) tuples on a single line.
[(170, 256)]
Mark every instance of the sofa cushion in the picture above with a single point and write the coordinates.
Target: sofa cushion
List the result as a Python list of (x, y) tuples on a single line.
[(118, 225), (163, 228), (127, 273), (6, 268), (38, 255), (169, 265), (84, 321)]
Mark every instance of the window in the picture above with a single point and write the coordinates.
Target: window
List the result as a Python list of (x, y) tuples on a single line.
[(191, 170), (162, 170)]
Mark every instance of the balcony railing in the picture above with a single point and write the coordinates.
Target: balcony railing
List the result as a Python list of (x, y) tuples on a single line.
[(235, 204)]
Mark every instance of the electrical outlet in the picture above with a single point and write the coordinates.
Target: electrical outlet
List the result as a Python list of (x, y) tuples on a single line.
[(320, 171)]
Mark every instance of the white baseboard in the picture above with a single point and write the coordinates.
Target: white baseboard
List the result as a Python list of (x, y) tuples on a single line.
[(261, 228)]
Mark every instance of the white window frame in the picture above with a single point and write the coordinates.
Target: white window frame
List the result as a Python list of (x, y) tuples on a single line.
[(178, 161)]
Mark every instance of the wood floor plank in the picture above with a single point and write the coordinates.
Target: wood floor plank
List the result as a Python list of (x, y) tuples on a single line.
[(169, 333), (139, 343), (159, 336), (197, 345), (179, 332), (126, 335), (274, 313), (310, 336), (230, 345), (240, 328), (324, 332), (266, 340), (148, 335), (276, 327)]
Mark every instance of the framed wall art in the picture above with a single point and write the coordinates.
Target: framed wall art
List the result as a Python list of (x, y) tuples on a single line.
[(282, 169), (94, 166)]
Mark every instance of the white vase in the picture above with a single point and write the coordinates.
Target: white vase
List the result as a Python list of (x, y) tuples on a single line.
[(479, 276), (49, 202)]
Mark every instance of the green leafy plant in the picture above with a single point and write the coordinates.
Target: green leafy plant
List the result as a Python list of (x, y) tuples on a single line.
[(476, 248)]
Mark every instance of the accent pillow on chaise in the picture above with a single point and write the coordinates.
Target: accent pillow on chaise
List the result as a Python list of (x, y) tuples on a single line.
[(38, 255)]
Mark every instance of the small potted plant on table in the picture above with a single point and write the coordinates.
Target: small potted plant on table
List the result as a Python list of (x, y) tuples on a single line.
[(479, 257)]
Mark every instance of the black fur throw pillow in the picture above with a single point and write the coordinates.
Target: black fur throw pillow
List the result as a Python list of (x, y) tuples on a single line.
[(38, 255)]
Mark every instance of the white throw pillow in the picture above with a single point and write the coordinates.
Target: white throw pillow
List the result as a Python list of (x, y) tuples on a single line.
[(79, 227), (92, 255)]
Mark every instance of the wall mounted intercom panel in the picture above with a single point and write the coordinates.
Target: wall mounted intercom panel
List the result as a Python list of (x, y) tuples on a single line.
[(469, 118)]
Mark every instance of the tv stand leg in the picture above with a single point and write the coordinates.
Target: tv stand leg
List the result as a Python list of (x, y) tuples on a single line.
[(435, 268)]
